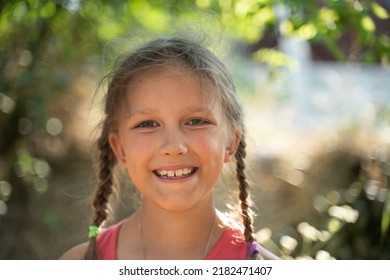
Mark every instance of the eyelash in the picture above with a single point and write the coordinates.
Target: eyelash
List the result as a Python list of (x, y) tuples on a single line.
[(199, 122), (191, 122), (147, 124)]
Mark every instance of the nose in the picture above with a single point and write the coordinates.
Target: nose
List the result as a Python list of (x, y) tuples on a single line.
[(174, 143)]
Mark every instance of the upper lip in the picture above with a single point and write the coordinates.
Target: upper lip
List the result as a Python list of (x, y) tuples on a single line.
[(174, 167)]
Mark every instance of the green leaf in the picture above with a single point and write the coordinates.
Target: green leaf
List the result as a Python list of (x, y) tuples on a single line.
[(367, 24), (307, 31), (48, 10), (379, 11), (385, 222), (274, 58)]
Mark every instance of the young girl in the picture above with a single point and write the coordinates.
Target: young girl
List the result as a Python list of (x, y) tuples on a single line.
[(172, 120)]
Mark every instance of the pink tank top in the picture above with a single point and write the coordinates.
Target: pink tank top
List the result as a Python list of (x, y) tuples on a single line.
[(230, 246)]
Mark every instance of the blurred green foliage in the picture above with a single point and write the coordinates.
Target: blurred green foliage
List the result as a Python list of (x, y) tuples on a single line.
[(45, 45)]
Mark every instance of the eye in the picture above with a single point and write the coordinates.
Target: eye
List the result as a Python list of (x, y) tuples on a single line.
[(147, 124), (198, 122)]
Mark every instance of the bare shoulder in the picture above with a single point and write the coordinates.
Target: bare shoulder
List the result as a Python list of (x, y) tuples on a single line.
[(76, 253), (267, 255)]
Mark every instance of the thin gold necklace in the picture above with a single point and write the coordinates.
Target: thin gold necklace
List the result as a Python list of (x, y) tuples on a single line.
[(140, 232)]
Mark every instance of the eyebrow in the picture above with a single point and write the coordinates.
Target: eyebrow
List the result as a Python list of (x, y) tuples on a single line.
[(196, 109), (148, 111)]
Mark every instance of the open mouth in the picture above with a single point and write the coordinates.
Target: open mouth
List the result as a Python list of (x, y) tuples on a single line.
[(175, 174)]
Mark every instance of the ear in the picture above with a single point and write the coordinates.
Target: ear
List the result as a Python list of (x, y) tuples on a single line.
[(232, 146), (117, 147)]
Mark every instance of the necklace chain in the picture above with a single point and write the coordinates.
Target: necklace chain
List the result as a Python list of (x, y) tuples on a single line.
[(140, 232), (141, 235), (209, 238)]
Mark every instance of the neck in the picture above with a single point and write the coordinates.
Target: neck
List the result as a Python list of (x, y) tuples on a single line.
[(188, 234)]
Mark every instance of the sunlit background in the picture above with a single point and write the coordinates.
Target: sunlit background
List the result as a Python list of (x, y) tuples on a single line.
[(314, 78)]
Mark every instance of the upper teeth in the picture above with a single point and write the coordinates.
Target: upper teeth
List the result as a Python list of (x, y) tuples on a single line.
[(173, 173)]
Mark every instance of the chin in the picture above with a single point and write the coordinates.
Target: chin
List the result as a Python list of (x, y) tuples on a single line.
[(182, 201)]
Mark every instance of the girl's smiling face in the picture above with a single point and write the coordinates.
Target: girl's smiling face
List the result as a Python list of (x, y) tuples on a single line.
[(173, 139)]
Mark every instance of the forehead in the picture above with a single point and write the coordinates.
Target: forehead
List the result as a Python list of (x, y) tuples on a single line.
[(168, 86)]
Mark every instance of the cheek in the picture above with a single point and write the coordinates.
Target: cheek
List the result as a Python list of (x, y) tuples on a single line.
[(140, 145), (212, 145), (137, 148)]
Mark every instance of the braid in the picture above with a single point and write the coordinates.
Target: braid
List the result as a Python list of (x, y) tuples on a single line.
[(244, 195), (107, 163)]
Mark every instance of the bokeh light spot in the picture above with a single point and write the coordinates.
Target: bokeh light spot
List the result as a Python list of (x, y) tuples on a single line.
[(42, 168), (289, 243), (25, 126), (3, 208), (54, 126), (264, 235), (5, 189), (7, 104)]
